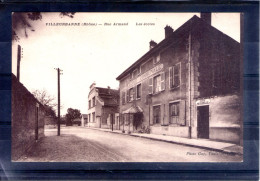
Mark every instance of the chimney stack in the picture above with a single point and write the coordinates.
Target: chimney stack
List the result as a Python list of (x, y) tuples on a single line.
[(168, 31), (152, 44), (206, 17)]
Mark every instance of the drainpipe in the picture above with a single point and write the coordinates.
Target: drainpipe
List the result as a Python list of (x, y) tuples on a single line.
[(190, 83)]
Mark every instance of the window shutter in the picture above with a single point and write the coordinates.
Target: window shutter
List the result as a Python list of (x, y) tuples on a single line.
[(127, 96), (162, 81), (150, 85), (182, 108), (134, 92), (170, 77)]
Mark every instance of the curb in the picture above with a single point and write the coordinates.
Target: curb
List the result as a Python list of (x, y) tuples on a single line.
[(175, 142)]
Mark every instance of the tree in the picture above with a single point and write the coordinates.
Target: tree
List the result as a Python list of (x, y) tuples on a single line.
[(71, 115), (22, 22), (46, 100)]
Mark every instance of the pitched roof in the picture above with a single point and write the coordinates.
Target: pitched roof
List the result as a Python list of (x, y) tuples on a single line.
[(110, 97), (175, 36)]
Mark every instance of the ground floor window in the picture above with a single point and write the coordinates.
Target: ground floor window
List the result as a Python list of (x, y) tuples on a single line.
[(93, 117), (156, 114), (174, 112)]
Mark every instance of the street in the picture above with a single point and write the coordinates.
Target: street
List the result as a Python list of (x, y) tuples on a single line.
[(77, 144)]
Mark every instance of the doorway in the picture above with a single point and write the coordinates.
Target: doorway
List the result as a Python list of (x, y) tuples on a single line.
[(203, 121)]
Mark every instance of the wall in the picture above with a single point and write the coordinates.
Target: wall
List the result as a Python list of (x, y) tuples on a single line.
[(24, 119), (224, 118)]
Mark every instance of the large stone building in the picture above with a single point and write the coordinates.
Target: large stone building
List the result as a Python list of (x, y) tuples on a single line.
[(103, 107), (187, 85)]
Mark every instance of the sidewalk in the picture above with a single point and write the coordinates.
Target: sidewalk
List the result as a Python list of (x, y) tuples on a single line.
[(199, 143)]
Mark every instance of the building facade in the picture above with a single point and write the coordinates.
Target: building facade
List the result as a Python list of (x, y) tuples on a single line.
[(103, 107), (188, 85)]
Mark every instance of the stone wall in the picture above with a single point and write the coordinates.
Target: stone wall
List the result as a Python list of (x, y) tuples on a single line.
[(24, 120)]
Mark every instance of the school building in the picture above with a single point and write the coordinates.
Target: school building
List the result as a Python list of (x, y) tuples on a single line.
[(188, 85)]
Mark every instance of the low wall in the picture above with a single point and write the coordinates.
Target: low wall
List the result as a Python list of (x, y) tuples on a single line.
[(171, 131)]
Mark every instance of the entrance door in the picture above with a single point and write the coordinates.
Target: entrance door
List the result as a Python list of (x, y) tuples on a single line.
[(203, 121)]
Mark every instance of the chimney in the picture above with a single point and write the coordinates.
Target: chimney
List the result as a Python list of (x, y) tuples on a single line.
[(168, 31), (152, 44), (206, 17), (92, 85)]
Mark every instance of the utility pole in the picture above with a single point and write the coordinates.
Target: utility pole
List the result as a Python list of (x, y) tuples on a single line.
[(18, 62), (58, 71)]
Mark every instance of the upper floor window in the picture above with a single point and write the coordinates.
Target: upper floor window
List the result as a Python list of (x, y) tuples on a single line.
[(123, 97), (138, 91), (175, 76), (157, 59), (89, 104), (131, 94), (94, 101), (157, 83)]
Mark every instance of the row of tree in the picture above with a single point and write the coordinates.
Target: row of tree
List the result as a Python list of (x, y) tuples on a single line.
[(50, 105)]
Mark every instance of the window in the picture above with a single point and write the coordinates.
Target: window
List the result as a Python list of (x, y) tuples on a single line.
[(174, 113), (156, 114), (89, 117), (157, 84), (89, 104), (94, 101), (123, 97), (175, 76), (157, 59), (93, 116), (131, 94), (138, 91)]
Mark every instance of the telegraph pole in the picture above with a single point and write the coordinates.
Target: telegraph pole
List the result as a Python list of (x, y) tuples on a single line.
[(58, 71), (18, 62)]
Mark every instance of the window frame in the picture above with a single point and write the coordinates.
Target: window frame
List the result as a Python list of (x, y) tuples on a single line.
[(137, 98), (175, 116), (155, 121), (172, 77)]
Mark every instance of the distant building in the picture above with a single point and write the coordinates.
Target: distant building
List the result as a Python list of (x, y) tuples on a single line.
[(187, 85), (103, 107), (84, 119)]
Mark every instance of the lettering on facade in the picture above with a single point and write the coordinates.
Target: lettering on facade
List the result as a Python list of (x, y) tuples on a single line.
[(202, 102), (145, 75)]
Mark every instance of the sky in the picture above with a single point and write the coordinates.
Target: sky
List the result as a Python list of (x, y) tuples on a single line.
[(97, 52)]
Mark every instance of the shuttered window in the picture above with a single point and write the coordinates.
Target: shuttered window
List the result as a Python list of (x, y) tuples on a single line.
[(138, 91), (177, 113), (123, 97), (157, 84), (156, 114), (174, 113), (175, 76)]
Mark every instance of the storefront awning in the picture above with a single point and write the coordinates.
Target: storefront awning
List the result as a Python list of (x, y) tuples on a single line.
[(133, 110)]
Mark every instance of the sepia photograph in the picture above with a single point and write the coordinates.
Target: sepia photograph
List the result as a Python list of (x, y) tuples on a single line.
[(127, 87)]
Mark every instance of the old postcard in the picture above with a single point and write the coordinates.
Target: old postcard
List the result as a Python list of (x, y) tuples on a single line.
[(127, 87)]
